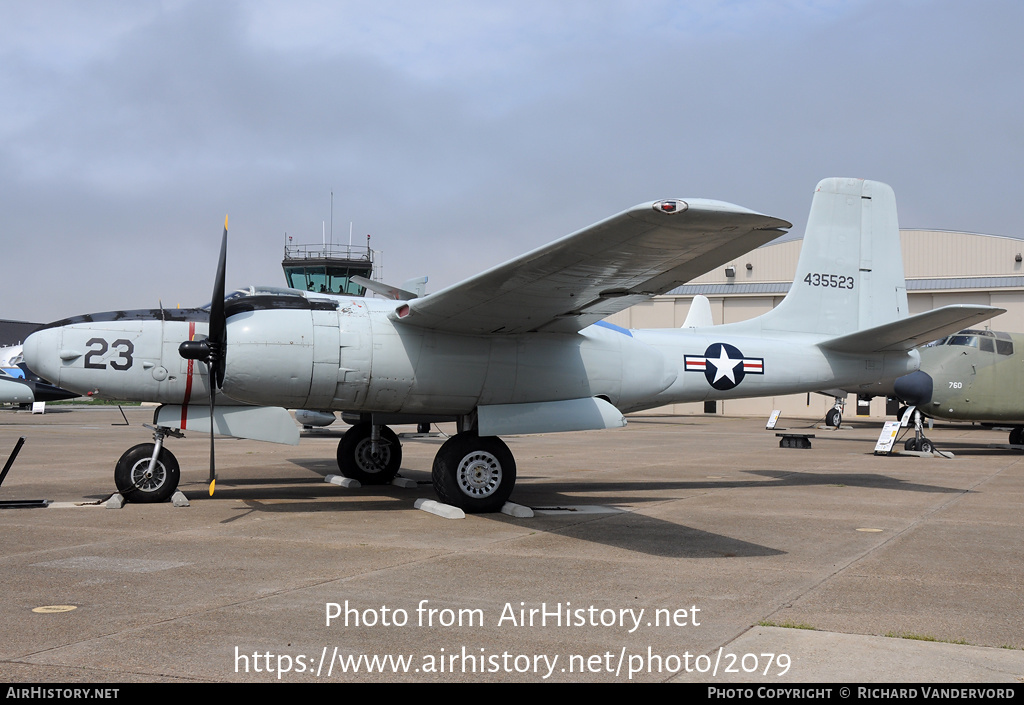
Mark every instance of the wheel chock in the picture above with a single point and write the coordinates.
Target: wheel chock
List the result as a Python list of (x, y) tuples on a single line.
[(795, 440)]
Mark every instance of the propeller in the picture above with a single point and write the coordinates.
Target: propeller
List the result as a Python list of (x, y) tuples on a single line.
[(213, 349)]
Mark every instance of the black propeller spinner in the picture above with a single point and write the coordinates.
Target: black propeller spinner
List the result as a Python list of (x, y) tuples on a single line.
[(213, 349)]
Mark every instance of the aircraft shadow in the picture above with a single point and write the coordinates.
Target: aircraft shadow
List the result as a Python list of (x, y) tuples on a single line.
[(963, 448), (782, 478), (624, 530), (627, 530), (652, 536)]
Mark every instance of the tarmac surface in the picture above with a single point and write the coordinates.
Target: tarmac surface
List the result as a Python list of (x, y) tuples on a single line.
[(750, 562)]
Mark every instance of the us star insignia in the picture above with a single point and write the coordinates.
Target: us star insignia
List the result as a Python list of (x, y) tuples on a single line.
[(723, 365)]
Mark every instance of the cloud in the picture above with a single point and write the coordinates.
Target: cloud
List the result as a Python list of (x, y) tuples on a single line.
[(460, 134)]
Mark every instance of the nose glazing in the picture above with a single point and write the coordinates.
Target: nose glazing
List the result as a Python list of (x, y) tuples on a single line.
[(915, 388)]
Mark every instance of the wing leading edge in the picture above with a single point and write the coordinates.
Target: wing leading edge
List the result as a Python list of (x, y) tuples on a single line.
[(584, 277)]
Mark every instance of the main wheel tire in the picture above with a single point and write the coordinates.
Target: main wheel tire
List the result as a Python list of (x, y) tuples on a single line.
[(833, 418), (473, 473), (136, 484), (357, 461), (1017, 436)]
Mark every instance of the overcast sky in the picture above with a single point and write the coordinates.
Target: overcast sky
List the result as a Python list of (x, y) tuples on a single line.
[(460, 134)]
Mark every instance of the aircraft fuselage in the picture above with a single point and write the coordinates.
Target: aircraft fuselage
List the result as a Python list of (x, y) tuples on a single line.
[(975, 375), (348, 354)]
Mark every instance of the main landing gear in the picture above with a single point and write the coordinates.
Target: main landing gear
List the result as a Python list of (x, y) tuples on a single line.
[(471, 472), (370, 453), (476, 474)]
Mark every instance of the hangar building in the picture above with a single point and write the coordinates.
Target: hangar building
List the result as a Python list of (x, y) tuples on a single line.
[(941, 268)]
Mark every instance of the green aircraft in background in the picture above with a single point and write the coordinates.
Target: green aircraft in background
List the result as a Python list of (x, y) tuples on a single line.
[(973, 375)]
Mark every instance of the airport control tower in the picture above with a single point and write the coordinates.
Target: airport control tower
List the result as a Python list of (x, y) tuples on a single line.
[(327, 268)]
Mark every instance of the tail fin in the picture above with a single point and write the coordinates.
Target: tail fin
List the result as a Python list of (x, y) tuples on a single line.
[(850, 273), (699, 315)]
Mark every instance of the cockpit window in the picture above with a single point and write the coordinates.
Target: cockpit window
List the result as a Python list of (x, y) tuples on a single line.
[(970, 341), (255, 291), (984, 340)]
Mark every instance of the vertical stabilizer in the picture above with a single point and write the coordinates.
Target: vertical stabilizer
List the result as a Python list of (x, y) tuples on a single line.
[(850, 273), (699, 315)]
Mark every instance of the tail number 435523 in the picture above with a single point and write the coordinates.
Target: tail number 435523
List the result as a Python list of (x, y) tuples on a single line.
[(831, 281)]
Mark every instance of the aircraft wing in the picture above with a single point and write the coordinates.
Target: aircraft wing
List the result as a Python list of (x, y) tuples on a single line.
[(913, 331), (584, 277)]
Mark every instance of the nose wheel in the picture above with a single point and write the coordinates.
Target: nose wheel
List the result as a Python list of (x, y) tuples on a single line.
[(834, 418), (144, 479), (918, 442)]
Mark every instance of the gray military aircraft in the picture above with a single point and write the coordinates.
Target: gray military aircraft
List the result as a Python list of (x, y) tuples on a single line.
[(17, 387), (18, 390), (520, 348), (973, 375)]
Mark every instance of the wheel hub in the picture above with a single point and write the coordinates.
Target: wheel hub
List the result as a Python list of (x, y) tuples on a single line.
[(367, 460), (479, 474), (148, 481)]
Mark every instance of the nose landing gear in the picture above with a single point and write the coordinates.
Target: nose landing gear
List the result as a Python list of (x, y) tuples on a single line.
[(148, 472)]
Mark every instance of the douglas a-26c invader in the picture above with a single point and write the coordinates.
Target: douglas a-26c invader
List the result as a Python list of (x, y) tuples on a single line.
[(520, 348)]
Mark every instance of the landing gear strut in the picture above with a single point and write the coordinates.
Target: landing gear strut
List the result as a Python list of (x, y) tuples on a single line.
[(918, 442), (148, 472)]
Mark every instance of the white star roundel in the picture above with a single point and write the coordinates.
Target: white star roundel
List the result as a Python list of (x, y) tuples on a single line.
[(723, 365)]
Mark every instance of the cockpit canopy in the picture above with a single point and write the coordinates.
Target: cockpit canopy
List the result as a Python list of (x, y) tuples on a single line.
[(253, 291), (992, 341)]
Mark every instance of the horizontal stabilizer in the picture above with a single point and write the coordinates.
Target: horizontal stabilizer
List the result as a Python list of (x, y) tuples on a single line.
[(385, 290), (910, 332)]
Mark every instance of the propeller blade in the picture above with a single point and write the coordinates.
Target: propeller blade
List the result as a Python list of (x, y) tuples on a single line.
[(217, 343), (218, 324), (212, 350), (213, 463)]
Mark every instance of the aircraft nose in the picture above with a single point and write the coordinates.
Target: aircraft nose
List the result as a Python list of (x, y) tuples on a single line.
[(915, 388), (41, 352)]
